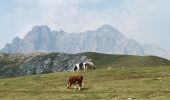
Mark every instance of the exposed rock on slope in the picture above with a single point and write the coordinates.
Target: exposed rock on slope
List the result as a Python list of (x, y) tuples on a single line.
[(23, 64)]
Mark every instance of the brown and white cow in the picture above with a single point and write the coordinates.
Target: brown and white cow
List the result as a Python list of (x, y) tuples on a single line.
[(89, 65), (73, 80)]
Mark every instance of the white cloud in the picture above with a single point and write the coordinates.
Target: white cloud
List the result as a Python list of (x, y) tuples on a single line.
[(148, 21), (58, 14)]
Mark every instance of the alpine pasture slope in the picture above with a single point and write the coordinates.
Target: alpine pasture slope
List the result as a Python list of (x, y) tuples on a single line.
[(139, 83), (121, 78), (14, 65)]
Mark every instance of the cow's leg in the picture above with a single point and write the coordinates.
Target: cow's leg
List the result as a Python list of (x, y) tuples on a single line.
[(80, 84), (79, 87), (94, 67), (75, 87), (78, 68), (85, 68), (69, 85)]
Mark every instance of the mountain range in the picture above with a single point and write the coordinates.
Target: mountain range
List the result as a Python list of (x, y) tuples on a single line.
[(105, 39)]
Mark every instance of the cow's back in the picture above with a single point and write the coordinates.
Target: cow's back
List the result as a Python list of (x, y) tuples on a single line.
[(75, 78)]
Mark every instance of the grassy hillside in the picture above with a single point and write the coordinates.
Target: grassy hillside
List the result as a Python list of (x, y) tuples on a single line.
[(131, 83), (9, 63), (102, 60), (12, 65)]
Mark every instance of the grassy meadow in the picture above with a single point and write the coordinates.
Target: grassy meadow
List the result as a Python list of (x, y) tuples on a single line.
[(107, 83)]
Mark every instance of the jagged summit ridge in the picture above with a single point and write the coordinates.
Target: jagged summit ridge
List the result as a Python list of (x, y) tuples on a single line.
[(105, 39), (41, 28), (107, 28)]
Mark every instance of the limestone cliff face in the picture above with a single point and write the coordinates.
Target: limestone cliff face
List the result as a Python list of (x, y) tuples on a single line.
[(105, 39)]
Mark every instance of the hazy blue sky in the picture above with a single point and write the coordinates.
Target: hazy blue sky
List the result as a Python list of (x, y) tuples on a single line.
[(146, 21)]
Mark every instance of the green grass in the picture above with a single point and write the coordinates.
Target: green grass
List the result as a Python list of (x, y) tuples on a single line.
[(12, 65), (130, 77), (118, 83), (101, 60)]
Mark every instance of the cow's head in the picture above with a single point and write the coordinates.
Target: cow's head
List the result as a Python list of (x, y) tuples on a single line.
[(68, 85)]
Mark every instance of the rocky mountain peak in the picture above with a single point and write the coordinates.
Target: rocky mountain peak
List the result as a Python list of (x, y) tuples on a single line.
[(38, 31), (107, 28), (16, 39), (41, 29)]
